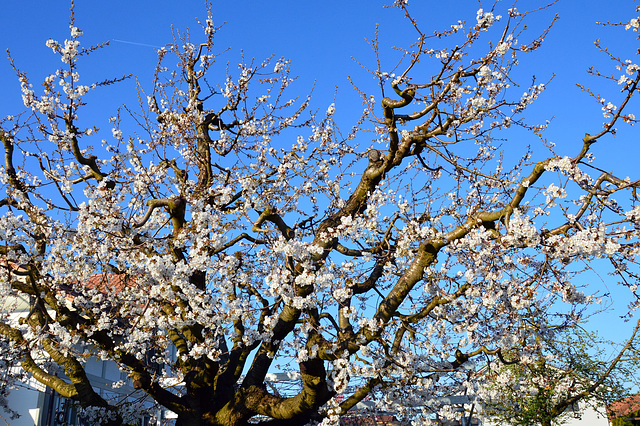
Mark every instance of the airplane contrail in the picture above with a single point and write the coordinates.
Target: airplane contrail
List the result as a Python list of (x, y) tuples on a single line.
[(135, 43)]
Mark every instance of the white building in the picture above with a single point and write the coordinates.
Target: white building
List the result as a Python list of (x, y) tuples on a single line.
[(39, 405), (582, 415)]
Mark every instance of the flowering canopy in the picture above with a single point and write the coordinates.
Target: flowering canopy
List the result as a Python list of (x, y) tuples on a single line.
[(390, 270)]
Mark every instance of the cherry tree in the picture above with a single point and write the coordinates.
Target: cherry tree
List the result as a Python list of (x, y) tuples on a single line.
[(186, 245)]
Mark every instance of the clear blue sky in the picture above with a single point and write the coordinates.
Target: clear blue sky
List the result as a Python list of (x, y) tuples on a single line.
[(320, 37)]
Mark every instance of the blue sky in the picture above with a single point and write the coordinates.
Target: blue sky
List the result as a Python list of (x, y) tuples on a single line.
[(320, 38)]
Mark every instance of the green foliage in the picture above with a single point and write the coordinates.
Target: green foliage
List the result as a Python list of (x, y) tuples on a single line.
[(621, 422), (546, 386), (524, 399)]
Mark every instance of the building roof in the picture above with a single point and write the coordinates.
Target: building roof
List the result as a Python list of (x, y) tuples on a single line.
[(624, 407)]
